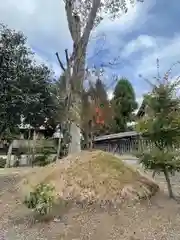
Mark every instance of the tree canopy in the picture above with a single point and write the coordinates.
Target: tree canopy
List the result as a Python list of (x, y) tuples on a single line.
[(124, 103), (24, 84)]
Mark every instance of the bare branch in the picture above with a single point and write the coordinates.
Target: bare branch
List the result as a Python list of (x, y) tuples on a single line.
[(148, 81), (67, 57), (90, 21), (60, 63), (70, 19), (166, 76)]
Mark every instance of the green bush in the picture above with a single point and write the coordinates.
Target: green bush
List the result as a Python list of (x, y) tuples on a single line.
[(42, 160), (41, 200), (2, 162)]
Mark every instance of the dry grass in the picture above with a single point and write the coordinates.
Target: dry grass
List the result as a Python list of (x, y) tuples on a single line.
[(157, 218), (92, 177)]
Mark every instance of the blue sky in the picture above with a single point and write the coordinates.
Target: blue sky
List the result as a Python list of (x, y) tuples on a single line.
[(148, 31)]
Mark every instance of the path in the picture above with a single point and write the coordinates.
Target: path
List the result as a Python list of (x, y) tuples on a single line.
[(175, 180)]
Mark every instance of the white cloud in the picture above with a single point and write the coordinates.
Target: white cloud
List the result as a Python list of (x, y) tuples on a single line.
[(44, 23), (142, 42), (135, 17), (166, 50), (144, 62), (110, 94), (114, 31)]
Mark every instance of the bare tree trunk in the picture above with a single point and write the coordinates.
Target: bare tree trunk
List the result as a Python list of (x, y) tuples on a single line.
[(75, 145), (8, 162), (166, 174), (75, 79)]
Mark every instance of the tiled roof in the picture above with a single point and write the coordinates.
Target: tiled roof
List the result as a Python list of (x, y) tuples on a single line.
[(116, 135)]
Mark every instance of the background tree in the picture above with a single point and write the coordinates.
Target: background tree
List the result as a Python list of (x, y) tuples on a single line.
[(40, 107), (39, 102), (161, 125), (82, 17), (123, 103), (14, 63), (61, 117), (97, 109), (100, 97), (24, 86)]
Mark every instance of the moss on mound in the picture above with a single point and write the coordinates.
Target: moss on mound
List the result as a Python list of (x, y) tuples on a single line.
[(93, 177)]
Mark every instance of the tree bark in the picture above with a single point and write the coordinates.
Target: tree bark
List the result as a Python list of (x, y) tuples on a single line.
[(75, 145), (166, 174), (77, 66)]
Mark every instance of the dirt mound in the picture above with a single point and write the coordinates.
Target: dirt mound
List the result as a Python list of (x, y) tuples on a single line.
[(93, 177)]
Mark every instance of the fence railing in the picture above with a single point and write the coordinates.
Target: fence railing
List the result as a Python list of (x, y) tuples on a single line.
[(125, 146)]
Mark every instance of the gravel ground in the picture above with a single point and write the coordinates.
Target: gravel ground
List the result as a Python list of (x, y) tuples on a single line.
[(158, 219)]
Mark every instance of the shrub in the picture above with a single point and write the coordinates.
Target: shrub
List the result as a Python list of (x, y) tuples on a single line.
[(42, 160), (41, 199), (2, 162)]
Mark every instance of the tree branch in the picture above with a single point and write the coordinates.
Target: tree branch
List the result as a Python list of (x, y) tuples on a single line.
[(67, 57), (70, 18), (60, 63), (90, 21)]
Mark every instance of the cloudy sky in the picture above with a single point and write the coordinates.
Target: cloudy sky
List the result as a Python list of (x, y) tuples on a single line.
[(147, 32)]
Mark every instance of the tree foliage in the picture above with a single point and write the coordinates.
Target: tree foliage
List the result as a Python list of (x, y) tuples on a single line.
[(24, 85), (124, 103), (40, 104), (99, 9), (161, 125), (95, 98)]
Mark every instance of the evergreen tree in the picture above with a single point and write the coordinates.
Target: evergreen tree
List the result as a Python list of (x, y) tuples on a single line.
[(24, 85), (123, 103)]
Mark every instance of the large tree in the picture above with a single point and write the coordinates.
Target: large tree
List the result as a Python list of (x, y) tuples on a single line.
[(14, 62), (24, 85), (82, 17), (124, 103)]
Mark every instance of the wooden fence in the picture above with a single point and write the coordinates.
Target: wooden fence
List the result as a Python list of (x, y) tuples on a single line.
[(124, 146)]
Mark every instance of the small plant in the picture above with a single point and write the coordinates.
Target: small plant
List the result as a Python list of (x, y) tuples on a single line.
[(42, 199), (42, 160)]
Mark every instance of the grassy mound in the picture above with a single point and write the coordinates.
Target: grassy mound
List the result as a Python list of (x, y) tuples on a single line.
[(93, 177)]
